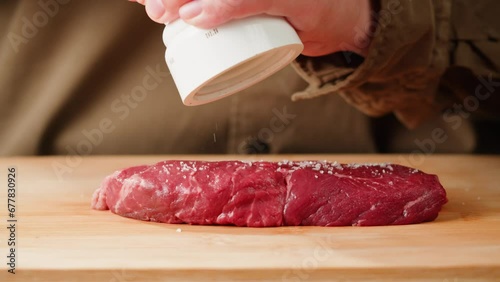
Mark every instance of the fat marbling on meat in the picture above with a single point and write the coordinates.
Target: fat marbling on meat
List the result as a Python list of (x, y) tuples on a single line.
[(265, 194)]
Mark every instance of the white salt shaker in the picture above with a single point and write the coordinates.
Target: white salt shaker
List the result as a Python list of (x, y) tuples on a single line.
[(208, 65)]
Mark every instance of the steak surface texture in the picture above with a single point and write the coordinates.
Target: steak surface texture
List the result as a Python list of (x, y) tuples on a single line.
[(266, 194)]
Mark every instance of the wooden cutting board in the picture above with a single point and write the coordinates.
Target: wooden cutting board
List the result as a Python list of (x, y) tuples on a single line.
[(59, 238)]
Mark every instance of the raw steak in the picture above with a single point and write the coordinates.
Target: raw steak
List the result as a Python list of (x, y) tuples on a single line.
[(259, 194)]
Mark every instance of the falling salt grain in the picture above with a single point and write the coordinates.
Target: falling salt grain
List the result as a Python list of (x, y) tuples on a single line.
[(478, 198), (215, 138), (178, 230)]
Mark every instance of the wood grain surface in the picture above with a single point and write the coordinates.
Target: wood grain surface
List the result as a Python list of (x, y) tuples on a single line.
[(59, 238)]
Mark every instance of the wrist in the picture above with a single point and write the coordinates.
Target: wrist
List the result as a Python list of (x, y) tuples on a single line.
[(360, 37)]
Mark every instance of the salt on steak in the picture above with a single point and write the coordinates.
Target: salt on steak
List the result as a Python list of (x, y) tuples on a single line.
[(263, 194)]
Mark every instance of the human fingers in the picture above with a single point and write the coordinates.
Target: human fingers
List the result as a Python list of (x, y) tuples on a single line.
[(162, 11), (212, 13)]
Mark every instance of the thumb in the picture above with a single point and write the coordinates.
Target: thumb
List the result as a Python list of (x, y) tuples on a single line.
[(212, 13)]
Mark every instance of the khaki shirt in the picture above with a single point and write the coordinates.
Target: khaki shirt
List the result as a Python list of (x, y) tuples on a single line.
[(89, 77)]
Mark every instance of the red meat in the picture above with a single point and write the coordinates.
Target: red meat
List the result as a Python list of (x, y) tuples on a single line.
[(260, 194)]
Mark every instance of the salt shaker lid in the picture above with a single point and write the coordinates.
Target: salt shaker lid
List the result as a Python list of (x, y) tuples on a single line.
[(208, 65)]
